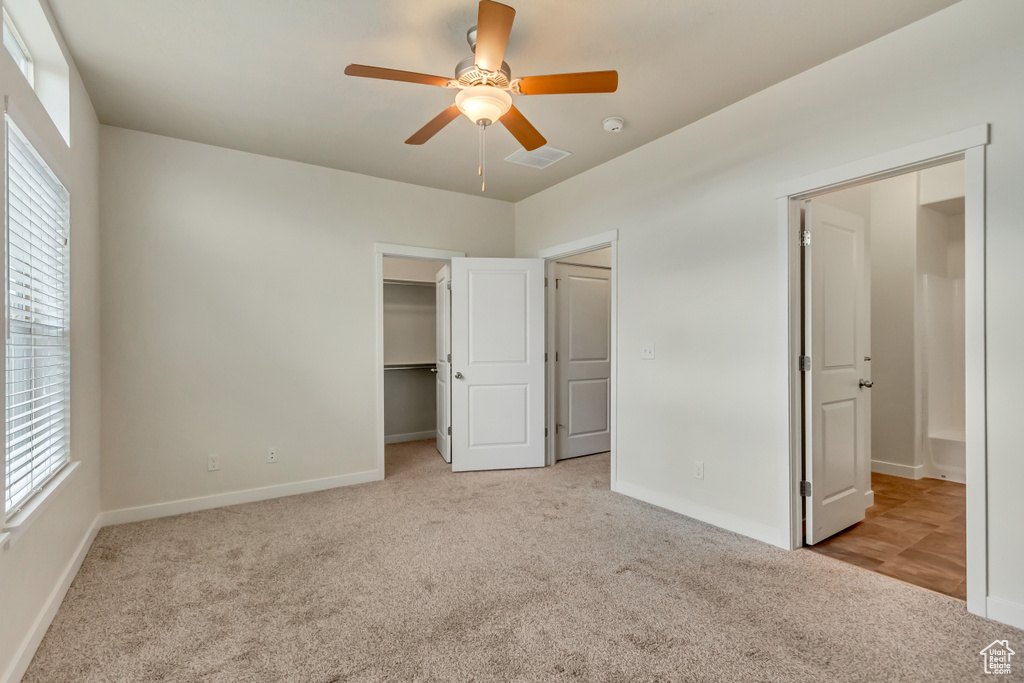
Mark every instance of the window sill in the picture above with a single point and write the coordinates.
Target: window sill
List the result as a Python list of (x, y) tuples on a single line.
[(14, 527)]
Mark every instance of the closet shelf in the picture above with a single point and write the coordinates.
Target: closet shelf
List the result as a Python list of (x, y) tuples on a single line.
[(410, 366), (411, 283)]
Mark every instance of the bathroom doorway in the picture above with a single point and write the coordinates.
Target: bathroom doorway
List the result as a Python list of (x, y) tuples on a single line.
[(887, 279)]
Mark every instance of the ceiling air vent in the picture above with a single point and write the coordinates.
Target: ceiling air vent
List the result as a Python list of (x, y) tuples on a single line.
[(542, 157)]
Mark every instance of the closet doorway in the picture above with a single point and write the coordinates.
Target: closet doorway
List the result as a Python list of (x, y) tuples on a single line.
[(503, 390), (410, 358), (410, 403)]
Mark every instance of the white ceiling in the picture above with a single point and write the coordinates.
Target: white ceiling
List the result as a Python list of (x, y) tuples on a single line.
[(265, 76)]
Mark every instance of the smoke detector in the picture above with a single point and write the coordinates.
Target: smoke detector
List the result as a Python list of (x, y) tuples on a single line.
[(613, 124)]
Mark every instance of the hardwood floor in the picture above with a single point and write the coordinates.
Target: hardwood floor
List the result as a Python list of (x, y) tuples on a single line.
[(916, 532)]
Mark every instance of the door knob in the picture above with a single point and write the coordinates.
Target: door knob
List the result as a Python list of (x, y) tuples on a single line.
[(433, 369), (458, 375), (866, 384)]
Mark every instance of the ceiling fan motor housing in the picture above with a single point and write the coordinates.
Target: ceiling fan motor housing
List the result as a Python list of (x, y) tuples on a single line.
[(467, 73)]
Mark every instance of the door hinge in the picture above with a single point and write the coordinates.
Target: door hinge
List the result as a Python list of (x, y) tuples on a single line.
[(449, 358), (556, 427), (545, 358), (805, 489), (557, 280), (449, 430), (545, 432), (556, 356), (805, 238), (805, 363), (448, 285), (545, 282)]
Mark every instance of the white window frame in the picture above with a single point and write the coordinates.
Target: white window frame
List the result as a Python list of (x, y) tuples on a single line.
[(18, 516), (25, 63)]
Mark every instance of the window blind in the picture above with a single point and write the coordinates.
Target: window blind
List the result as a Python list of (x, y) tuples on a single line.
[(38, 349)]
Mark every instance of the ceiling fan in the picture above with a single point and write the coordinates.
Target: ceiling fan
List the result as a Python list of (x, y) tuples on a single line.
[(485, 83)]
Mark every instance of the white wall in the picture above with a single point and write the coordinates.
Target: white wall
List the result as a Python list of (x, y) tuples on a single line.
[(33, 569), (238, 309), (702, 269), (895, 431), (410, 322)]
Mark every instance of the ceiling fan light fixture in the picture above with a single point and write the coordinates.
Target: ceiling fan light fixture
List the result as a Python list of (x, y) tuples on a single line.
[(483, 103)]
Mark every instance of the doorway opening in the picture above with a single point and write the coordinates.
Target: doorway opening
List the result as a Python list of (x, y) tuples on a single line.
[(910, 523), (580, 341), (579, 347), (842, 354), (498, 332), (412, 409), (408, 402)]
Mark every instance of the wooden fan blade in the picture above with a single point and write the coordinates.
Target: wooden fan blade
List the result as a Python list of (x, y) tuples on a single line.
[(394, 75), (562, 84), (436, 124), (522, 130), (493, 26)]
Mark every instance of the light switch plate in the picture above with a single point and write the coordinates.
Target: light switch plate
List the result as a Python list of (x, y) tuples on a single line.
[(647, 351)]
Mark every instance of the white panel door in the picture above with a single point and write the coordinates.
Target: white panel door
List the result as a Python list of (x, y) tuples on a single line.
[(583, 360), (838, 465), (497, 363), (443, 345)]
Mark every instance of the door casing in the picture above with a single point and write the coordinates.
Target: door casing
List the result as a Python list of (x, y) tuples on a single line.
[(968, 145)]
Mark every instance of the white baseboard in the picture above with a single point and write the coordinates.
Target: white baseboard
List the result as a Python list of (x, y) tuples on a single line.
[(946, 474), (28, 647), (179, 507), (896, 470), (717, 518), (1005, 612), (412, 436)]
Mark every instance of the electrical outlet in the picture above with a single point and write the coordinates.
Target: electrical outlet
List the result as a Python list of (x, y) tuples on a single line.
[(213, 463), (698, 469), (271, 455), (647, 351)]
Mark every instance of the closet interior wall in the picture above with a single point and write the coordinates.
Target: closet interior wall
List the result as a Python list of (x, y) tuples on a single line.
[(409, 360)]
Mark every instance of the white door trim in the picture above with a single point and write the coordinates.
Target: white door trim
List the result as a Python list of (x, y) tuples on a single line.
[(969, 145), (552, 254), (380, 250)]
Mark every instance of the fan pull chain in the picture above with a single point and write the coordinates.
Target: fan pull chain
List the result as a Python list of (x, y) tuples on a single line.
[(482, 168)]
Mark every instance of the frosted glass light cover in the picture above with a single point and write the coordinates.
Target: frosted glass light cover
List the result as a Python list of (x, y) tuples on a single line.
[(481, 102)]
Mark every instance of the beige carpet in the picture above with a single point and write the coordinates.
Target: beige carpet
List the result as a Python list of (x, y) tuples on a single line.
[(535, 575)]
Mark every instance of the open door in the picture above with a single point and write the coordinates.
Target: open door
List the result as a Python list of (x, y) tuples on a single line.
[(837, 391), (497, 363), (583, 360), (443, 346)]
